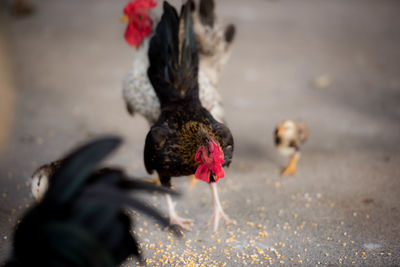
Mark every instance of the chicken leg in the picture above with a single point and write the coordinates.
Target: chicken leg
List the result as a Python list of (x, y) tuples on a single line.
[(174, 219), (291, 168), (218, 211)]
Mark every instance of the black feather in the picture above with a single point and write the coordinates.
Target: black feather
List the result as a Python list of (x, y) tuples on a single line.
[(109, 197), (81, 220), (139, 185), (173, 57), (155, 140), (79, 165)]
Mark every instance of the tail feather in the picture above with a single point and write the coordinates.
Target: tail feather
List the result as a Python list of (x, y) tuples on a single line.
[(78, 165), (108, 196), (173, 57)]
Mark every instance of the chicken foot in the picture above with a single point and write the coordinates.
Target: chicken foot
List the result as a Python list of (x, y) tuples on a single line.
[(174, 219), (291, 168)]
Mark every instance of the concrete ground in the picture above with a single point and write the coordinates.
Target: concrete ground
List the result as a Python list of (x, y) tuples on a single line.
[(332, 64)]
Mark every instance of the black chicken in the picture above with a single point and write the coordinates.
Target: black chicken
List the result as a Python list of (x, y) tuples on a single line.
[(186, 139), (80, 220)]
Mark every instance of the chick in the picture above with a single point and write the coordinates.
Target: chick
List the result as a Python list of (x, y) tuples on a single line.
[(289, 136)]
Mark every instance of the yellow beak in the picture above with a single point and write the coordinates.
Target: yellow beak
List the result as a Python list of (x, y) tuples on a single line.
[(124, 18)]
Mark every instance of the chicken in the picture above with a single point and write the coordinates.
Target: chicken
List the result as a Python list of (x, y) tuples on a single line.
[(81, 220), (214, 45), (289, 136), (186, 139)]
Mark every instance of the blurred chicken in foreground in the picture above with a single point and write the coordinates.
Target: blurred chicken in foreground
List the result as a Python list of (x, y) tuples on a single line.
[(80, 220), (289, 136), (214, 45)]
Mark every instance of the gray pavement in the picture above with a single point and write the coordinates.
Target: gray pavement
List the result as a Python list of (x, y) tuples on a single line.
[(332, 64)]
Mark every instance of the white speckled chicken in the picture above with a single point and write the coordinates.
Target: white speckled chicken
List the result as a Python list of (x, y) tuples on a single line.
[(289, 136), (214, 45)]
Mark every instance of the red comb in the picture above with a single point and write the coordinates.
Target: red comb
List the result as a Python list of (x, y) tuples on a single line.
[(140, 24)]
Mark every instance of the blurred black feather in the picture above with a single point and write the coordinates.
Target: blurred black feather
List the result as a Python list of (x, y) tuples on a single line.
[(174, 61), (81, 220)]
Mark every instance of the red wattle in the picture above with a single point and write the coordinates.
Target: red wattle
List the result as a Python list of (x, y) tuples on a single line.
[(219, 172), (210, 162), (203, 173)]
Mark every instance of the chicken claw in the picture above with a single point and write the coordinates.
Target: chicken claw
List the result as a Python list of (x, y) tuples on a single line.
[(181, 222), (174, 219), (219, 213)]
